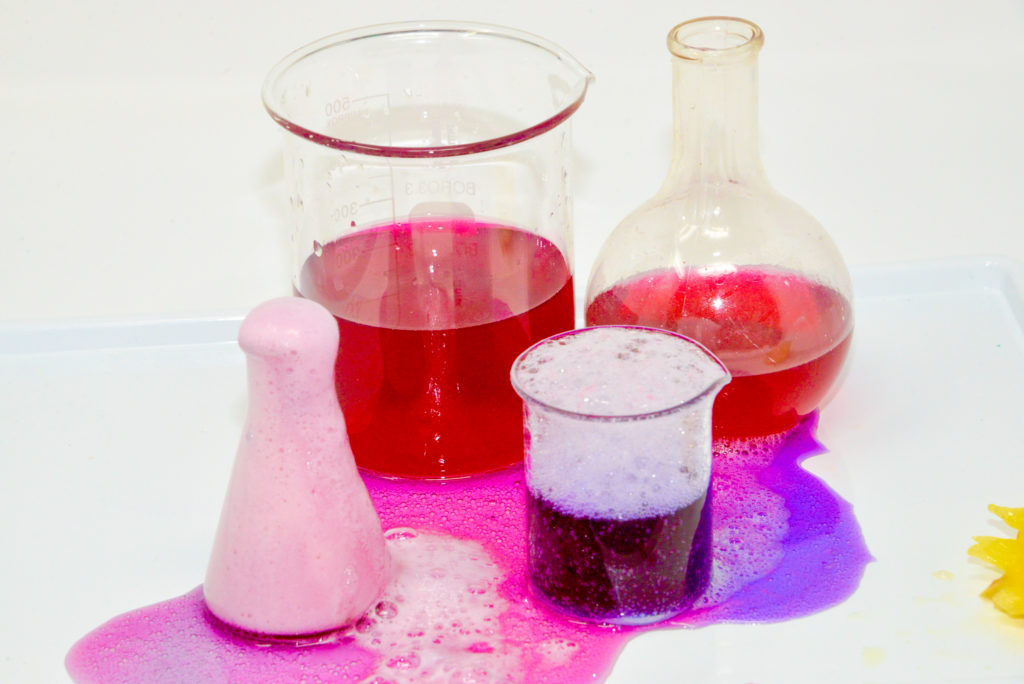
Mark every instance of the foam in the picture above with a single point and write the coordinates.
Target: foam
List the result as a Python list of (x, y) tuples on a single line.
[(288, 326), (439, 618), (616, 371), (299, 547), (619, 471), (626, 468), (750, 521)]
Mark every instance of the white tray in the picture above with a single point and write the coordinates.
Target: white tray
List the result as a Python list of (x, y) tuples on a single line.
[(118, 437)]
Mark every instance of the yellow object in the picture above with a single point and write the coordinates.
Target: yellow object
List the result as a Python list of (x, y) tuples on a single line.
[(1007, 592)]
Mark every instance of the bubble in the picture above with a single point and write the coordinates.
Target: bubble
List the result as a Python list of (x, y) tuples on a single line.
[(386, 610), (400, 534), (442, 605), (475, 676), (404, 662)]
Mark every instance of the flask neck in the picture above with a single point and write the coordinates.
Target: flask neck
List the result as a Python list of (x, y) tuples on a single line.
[(282, 391), (715, 123)]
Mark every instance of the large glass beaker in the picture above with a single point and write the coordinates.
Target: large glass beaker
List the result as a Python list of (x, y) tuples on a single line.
[(428, 174), (717, 255)]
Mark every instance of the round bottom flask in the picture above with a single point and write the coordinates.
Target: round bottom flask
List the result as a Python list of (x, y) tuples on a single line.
[(718, 256)]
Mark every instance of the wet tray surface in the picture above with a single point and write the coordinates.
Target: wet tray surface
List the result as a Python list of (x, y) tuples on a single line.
[(118, 439)]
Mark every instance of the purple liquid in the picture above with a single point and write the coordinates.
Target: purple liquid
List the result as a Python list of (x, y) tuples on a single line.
[(627, 571), (784, 546)]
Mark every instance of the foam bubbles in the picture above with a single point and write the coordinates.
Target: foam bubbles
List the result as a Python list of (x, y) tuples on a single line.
[(619, 471), (616, 371), (637, 442), (439, 617), (750, 521)]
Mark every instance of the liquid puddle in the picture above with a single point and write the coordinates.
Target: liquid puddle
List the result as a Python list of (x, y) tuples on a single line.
[(458, 609)]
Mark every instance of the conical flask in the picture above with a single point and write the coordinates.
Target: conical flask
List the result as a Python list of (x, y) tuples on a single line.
[(719, 256), (299, 549)]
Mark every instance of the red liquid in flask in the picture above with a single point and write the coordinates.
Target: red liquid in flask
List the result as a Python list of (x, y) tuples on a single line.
[(432, 313), (783, 337)]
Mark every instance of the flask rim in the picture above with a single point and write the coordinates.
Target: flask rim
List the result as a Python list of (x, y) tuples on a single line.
[(733, 40)]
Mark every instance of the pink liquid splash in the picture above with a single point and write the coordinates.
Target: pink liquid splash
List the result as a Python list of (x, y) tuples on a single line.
[(784, 546)]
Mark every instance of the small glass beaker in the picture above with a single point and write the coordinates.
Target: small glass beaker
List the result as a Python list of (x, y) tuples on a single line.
[(618, 466), (428, 171)]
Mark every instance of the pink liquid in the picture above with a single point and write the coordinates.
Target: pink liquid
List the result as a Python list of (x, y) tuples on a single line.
[(784, 338), (783, 544), (431, 315)]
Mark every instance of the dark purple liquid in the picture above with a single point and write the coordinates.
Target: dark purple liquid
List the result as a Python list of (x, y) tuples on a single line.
[(623, 571)]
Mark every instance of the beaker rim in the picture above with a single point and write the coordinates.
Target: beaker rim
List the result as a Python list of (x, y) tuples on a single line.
[(526, 132), (743, 39), (710, 389)]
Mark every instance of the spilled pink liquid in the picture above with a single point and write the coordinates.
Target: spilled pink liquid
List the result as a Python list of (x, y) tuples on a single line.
[(784, 546)]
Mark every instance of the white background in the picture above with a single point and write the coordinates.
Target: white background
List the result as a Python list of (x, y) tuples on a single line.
[(141, 174), (141, 177)]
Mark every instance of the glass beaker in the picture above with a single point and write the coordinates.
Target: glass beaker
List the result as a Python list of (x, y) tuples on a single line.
[(719, 256), (617, 425), (428, 173)]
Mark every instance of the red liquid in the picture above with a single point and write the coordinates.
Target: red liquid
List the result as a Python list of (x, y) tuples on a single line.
[(432, 313), (784, 338)]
